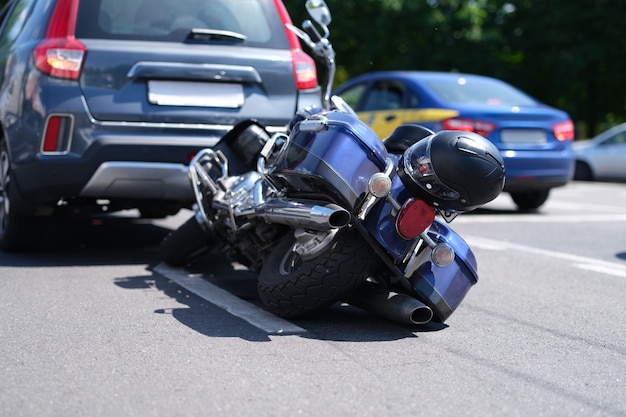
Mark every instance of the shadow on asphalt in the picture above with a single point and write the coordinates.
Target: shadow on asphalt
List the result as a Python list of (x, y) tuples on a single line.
[(512, 211), (114, 240), (339, 322), (102, 240)]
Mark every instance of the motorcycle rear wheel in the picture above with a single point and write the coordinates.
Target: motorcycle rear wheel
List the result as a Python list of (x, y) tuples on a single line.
[(185, 243), (290, 285)]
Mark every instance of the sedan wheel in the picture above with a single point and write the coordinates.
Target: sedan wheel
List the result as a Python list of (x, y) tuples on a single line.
[(582, 172), (530, 200)]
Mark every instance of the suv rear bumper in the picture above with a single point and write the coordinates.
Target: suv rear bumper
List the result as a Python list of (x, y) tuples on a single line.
[(107, 161), (144, 180), (113, 160)]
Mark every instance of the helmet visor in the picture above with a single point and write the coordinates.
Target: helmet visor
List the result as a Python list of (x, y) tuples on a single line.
[(418, 166)]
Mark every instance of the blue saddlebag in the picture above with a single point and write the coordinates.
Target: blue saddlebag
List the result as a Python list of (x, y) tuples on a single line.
[(337, 160), (443, 289)]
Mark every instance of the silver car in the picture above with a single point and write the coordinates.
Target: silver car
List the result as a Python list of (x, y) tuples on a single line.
[(602, 157)]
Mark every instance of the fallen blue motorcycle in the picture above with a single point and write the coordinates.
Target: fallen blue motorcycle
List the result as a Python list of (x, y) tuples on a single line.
[(329, 212)]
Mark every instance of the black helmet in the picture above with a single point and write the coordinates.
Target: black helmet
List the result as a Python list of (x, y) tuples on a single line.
[(453, 170)]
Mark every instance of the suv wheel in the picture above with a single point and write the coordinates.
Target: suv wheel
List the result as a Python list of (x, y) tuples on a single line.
[(17, 232)]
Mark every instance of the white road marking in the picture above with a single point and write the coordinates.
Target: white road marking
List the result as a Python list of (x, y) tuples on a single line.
[(582, 262), (581, 207), (254, 315), (539, 218)]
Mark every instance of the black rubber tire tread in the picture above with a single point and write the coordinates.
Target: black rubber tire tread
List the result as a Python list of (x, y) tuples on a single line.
[(582, 172), (185, 243), (530, 200), (18, 232), (22, 234), (318, 282)]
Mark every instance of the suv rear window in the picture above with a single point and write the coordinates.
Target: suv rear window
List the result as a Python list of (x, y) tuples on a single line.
[(166, 20)]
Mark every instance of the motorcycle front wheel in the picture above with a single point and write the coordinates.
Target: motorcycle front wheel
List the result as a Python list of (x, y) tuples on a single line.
[(186, 243), (294, 282)]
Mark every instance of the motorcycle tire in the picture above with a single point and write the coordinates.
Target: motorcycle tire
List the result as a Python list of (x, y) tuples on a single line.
[(290, 286), (184, 244)]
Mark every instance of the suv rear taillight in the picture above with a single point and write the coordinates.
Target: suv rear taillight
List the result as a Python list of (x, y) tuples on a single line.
[(470, 125), (304, 69), (564, 130), (60, 54)]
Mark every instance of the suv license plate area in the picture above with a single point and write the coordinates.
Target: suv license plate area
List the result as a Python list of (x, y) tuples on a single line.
[(196, 94)]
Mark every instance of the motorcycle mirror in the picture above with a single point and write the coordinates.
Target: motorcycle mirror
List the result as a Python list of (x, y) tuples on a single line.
[(318, 11)]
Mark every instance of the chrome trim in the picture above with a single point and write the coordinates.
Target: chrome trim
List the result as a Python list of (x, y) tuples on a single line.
[(391, 305), (316, 215), (371, 199), (162, 125)]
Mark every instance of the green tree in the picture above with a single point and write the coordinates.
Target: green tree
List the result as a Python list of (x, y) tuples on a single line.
[(371, 35), (567, 53), (571, 54)]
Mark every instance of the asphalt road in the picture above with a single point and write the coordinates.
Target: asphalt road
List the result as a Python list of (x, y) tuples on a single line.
[(96, 326)]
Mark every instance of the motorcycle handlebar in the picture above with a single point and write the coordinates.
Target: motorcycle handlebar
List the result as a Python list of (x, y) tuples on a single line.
[(310, 30)]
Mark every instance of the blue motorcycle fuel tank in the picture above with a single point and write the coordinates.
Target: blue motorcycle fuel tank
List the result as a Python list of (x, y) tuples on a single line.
[(332, 153)]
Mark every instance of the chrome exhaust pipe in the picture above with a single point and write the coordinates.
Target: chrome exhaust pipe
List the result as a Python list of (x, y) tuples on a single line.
[(391, 305), (304, 214)]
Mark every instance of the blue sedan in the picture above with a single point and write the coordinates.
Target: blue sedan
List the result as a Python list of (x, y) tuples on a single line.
[(534, 139)]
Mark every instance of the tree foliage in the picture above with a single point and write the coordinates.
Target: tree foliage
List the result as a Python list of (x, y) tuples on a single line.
[(569, 54)]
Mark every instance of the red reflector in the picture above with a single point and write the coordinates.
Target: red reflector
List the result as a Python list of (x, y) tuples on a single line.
[(190, 157), (51, 138), (414, 217)]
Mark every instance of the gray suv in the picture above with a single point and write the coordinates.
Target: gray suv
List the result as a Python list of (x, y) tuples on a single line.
[(104, 102)]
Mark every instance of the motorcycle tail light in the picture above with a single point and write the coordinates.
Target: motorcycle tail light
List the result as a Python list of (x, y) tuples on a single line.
[(414, 217)]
